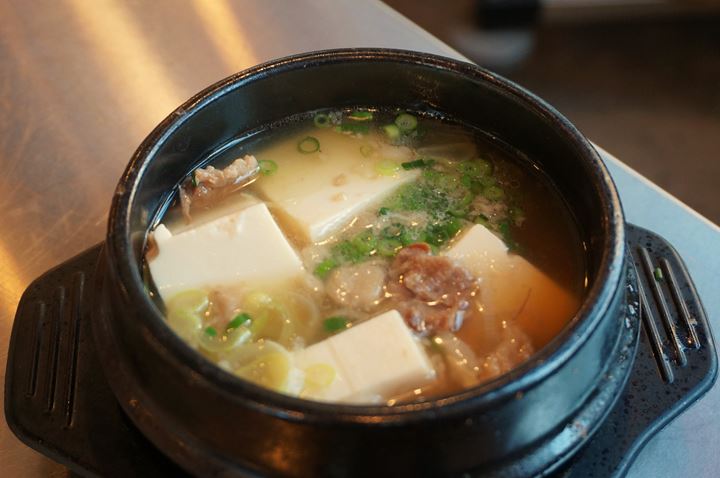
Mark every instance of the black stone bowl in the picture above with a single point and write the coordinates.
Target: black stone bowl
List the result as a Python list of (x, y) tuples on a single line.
[(215, 424)]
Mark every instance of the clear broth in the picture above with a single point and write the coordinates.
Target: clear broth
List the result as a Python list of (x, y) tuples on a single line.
[(536, 223)]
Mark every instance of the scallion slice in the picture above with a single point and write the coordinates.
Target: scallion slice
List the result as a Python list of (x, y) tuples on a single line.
[(211, 331), (353, 128), (476, 169), (482, 220), (494, 193), (361, 115), (418, 163), (658, 274), (335, 324), (237, 321), (391, 131), (388, 247), (308, 145), (406, 122), (267, 166), (324, 267), (322, 120)]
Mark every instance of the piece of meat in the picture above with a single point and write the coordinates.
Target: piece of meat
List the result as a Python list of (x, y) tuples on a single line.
[(217, 178), (494, 211), (212, 184), (359, 286), (432, 293), (185, 201), (224, 306)]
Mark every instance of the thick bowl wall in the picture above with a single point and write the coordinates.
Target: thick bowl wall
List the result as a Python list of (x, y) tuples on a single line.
[(210, 421)]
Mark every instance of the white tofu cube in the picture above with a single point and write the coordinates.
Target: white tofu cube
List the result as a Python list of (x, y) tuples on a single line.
[(374, 360), (322, 354), (244, 246), (320, 193), (513, 287), (381, 356), (479, 250), (229, 205)]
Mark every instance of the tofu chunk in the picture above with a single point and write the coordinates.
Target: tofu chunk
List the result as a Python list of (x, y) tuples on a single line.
[(480, 251), (319, 193), (230, 205), (323, 354), (373, 361), (513, 287), (243, 246)]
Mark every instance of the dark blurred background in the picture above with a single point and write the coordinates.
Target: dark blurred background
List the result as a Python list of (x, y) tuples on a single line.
[(641, 78)]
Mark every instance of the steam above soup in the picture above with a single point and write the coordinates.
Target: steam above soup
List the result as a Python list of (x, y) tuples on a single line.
[(367, 257)]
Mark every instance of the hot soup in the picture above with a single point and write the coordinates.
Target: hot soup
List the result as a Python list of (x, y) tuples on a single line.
[(367, 257)]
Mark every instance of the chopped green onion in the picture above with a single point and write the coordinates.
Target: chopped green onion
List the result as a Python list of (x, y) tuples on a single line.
[(211, 331), (406, 122), (438, 234), (504, 228), (431, 175), (321, 120), (361, 115), (467, 198), (346, 251), (335, 324), (452, 227), (353, 128), (267, 166), (324, 267), (518, 216), (237, 321), (308, 145), (366, 150), (412, 235), (448, 182), (484, 166), (418, 163), (383, 211), (482, 220), (392, 231), (460, 211), (193, 179), (486, 181), (658, 274), (476, 168), (391, 131), (478, 185), (388, 247), (386, 167), (364, 243), (356, 249), (494, 193)]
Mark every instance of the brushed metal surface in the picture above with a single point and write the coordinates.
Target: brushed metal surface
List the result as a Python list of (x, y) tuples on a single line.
[(83, 81), (81, 84)]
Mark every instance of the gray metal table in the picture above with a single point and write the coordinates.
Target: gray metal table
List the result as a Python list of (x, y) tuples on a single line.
[(83, 81)]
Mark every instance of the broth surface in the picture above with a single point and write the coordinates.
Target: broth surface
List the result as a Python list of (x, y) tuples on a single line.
[(378, 207)]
